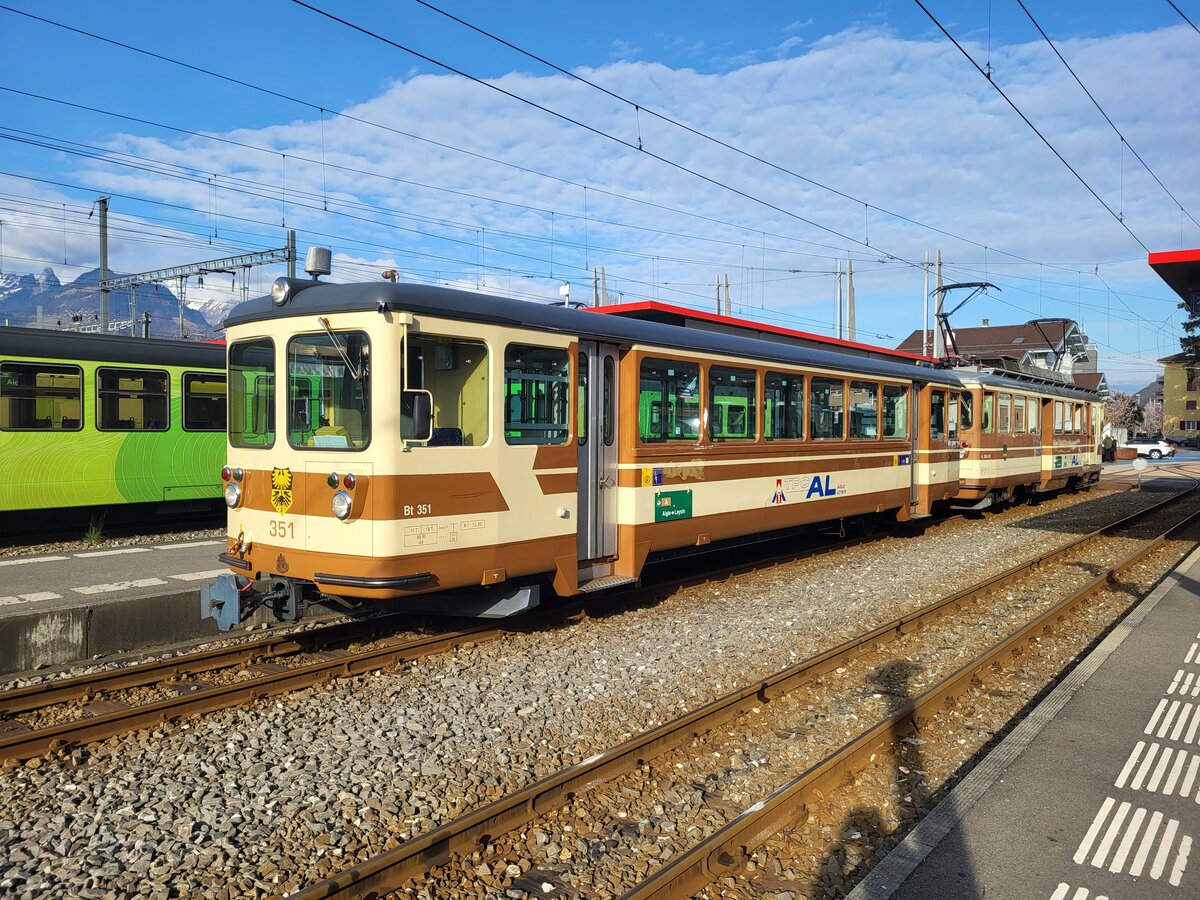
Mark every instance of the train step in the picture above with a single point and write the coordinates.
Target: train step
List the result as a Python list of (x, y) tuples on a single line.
[(604, 582)]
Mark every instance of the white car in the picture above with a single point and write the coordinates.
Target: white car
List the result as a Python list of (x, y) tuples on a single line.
[(1155, 448)]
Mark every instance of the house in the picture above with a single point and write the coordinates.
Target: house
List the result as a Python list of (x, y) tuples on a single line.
[(1055, 344)]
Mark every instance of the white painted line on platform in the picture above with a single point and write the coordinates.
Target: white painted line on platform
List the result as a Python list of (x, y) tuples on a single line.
[(1189, 779), (1147, 843), (1114, 828), (118, 586), (29, 598), (117, 552), (1135, 823), (1085, 845), (1147, 762), (1191, 732), (32, 559), (1191, 654), (183, 545), (200, 576), (1130, 763), (1160, 770), (1175, 683), (1060, 891), (1162, 704), (1179, 725), (1185, 849), (1181, 759), (1164, 848)]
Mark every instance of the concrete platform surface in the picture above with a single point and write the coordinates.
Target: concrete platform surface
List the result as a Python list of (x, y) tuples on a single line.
[(1096, 794)]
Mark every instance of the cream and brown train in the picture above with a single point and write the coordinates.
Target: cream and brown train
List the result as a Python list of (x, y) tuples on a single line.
[(456, 452)]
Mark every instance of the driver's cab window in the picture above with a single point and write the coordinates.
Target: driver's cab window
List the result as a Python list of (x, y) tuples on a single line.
[(455, 372)]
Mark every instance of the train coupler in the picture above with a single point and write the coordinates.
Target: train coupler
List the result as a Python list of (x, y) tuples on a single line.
[(229, 600)]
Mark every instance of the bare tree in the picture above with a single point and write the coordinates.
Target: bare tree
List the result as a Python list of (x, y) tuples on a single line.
[(1152, 417)]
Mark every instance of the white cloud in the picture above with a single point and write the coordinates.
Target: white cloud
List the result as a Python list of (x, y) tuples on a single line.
[(906, 125)]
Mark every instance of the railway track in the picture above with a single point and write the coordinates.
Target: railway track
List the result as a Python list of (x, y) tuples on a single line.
[(56, 715), (60, 714), (457, 845)]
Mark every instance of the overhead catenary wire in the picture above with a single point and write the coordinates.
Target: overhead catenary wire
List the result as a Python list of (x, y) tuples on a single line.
[(1032, 127), (1124, 142)]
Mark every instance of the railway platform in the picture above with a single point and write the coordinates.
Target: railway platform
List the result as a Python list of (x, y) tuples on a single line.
[(1096, 794)]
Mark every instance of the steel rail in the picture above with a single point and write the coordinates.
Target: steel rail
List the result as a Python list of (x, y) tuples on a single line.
[(728, 849), (88, 687), (465, 834), (26, 744)]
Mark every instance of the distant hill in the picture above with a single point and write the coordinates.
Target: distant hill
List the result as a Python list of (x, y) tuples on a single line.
[(79, 301)]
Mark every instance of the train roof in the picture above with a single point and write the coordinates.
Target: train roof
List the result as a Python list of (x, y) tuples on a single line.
[(71, 346), (325, 298), (1014, 381)]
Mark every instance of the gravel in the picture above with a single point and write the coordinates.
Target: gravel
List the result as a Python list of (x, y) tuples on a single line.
[(258, 800)]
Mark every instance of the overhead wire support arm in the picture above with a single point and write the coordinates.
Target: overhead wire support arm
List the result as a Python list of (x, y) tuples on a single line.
[(260, 258), (943, 317)]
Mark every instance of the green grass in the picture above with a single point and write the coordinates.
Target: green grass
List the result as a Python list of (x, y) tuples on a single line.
[(95, 532)]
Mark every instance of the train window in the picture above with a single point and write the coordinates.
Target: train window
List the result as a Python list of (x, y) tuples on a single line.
[(1058, 417), (675, 388), (732, 403), (132, 400), (203, 401), (1032, 407), (581, 401), (252, 393), (40, 397), (952, 415), (537, 383), (987, 417), (1079, 429), (329, 390), (1003, 413), (864, 410), (455, 372), (895, 411), (1018, 415), (610, 377), (783, 406), (966, 406), (937, 415), (826, 409)]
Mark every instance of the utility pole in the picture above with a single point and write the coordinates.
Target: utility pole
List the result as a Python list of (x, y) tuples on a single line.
[(850, 329), (939, 339), (603, 288), (718, 294), (103, 202), (291, 254), (133, 310), (839, 299), (728, 304), (925, 309), (182, 288)]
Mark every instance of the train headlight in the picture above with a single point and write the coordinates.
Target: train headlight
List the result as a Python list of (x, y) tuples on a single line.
[(233, 495), (281, 290), (342, 504)]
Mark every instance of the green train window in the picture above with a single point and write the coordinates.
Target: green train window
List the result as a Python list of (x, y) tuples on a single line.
[(826, 409), (329, 391), (132, 399), (989, 404), (937, 415), (455, 372), (732, 403), (783, 406), (669, 401), (967, 416), (203, 401), (537, 386), (895, 411), (40, 397), (252, 393), (864, 410)]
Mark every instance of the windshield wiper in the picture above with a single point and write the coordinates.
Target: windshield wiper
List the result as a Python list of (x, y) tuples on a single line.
[(338, 347)]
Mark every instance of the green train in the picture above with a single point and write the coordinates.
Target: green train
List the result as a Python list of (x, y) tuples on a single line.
[(88, 421)]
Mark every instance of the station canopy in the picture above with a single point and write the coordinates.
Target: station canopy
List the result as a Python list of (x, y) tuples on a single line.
[(1180, 269)]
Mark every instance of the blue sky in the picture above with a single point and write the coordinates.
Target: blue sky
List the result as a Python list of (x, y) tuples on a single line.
[(398, 164)]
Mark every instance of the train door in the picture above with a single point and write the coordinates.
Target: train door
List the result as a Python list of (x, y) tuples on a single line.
[(597, 431)]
